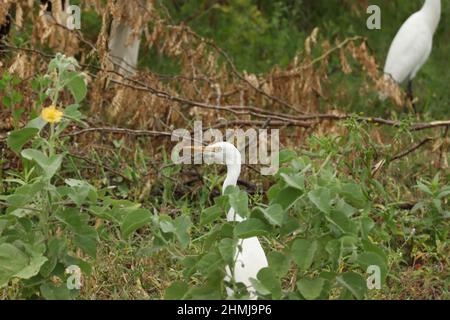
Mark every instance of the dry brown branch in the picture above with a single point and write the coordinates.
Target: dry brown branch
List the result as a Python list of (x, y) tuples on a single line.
[(412, 149)]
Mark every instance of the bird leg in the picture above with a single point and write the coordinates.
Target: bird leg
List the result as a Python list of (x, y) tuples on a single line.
[(410, 95)]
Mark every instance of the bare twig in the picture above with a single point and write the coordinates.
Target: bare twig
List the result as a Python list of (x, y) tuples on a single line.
[(412, 149)]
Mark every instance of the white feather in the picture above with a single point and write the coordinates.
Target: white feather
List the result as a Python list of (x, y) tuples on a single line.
[(412, 45)]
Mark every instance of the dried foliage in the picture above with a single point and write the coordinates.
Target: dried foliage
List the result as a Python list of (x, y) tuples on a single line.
[(208, 85)]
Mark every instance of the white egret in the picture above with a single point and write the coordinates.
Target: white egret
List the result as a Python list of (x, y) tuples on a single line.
[(250, 257), (412, 45), (125, 40)]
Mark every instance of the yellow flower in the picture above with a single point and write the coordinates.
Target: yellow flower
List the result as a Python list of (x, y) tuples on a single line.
[(51, 114)]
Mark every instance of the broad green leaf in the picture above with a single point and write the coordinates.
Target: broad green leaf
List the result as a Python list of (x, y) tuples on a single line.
[(73, 112), (176, 291), (37, 123), (210, 214), (367, 259), (290, 225), (342, 222), (274, 214), (273, 192), (286, 155), (87, 241), (270, 281), (321, 198), (24, 194), (279, 263), (77, 87), (135, 220), (79, 191), (345, 208), (303, 252), (49, 165), (75, 220), (310, 288), (353, 194), (367, 225), (182, 226), (52, 292), (227, 249), (209, 263), (32, 269), (12, 261), (353, 282), (17, 139), (370, 247), (296, 181), (259, 287), (239, 202), (251, 228), (287, 197)]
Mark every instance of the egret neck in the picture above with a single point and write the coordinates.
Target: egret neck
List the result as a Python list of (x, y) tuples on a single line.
[(233, 172), (432, 12)]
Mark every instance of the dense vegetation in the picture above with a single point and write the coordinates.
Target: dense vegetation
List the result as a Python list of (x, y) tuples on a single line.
[(95, 187)]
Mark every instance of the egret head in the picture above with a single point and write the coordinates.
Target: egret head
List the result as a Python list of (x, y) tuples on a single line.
[(222, 153)]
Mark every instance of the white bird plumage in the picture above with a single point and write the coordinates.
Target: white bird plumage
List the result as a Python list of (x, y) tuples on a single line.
[(413, 43), (250, 257)]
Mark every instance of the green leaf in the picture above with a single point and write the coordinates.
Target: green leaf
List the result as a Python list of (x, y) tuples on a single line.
[(370, 247), (37, 123), (87, 241), (342, 222), (273, 192), (353, 194), (72, 112), (79, 191), (24, 194), (353, 282), (367, 225), (262, 290), (250, 228), (287, 197), (32, 269), (239, 202), (310, 288), (135, 220), (303, 252), (182, 226), (209, 263), (52, 292), (49, 165), (227, 249), (75, 220), (286, 155), (12, 261), (274, 214), (279, 263), (210, 214), (367, 259), (270, 281), (321, 198), (17, 139), (344, 208), (176, 291), (77, 87), (296, 181)]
